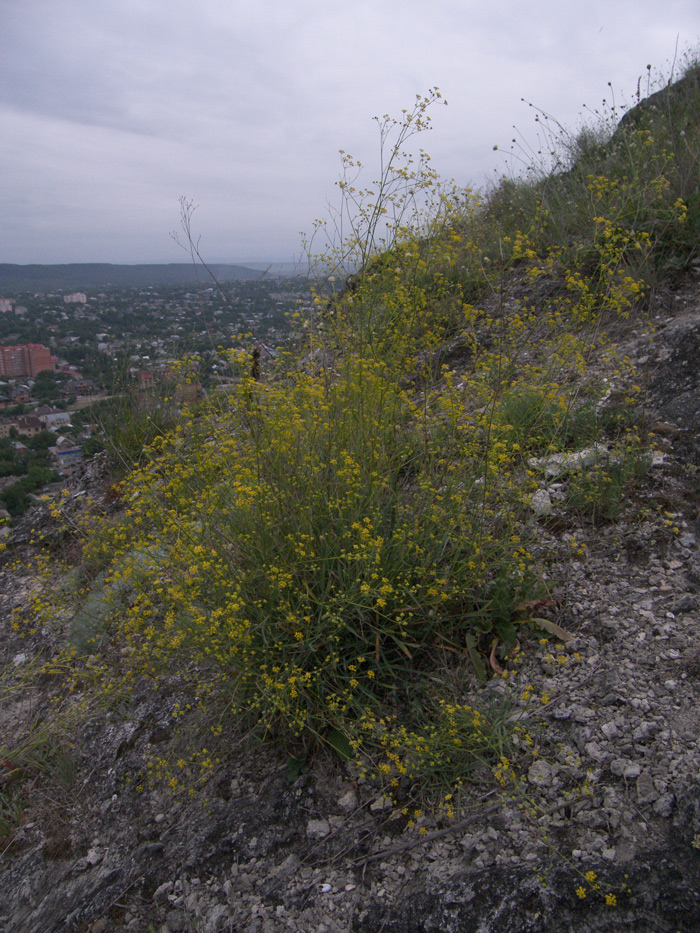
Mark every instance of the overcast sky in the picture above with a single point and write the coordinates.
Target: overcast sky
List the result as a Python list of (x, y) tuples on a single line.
[(110, 110)]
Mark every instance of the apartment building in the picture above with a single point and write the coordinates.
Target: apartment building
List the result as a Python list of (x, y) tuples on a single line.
[(24, 360)]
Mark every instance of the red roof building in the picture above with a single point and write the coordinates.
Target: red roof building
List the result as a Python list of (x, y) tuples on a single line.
[(25, 360)]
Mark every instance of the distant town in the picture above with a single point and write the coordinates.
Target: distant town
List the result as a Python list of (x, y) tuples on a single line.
[(64, 354)]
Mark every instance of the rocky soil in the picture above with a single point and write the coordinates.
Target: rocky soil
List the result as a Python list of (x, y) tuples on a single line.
[(615, 789)]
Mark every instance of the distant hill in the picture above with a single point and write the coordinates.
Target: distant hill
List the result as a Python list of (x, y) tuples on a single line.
[(72, 276)]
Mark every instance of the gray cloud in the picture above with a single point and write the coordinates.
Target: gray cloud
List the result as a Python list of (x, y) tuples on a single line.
[(112, 110)]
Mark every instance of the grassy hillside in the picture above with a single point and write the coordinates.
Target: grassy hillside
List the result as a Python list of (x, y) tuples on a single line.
[(336, 551)]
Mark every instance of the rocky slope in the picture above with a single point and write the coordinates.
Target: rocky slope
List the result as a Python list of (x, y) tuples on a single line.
[(615, 790)]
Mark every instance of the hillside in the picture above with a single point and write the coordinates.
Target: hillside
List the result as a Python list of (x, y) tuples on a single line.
[(399, 631)]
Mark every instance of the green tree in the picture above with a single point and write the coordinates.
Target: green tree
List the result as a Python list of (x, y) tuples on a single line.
[(45, 386)]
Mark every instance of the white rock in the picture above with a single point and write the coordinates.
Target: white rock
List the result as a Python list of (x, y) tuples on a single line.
[(643, 731), (94, 857), (664, 805), (348, 801), (539, 773), (382, 803), (161, 893), (622, 767), (609, 730), (541, 502), (646, 791), (594, 751), (318, 828), (214, 922), (556, 464)]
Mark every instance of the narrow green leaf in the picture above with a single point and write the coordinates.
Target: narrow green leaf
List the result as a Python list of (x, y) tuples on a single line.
[(475, 657)]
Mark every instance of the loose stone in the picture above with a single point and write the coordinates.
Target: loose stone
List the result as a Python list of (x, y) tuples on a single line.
[(622, 767), (318, 828)]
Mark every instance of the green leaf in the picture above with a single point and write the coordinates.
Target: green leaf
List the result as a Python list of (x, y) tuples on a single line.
[(340, 743), (475, 657), (297, 766)]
